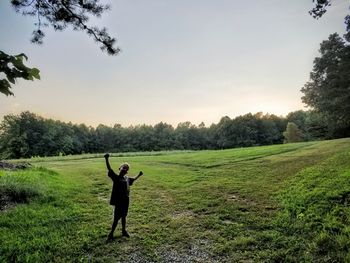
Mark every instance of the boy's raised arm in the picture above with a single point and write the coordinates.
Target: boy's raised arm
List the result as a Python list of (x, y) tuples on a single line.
[(137, 177), (106, 156)]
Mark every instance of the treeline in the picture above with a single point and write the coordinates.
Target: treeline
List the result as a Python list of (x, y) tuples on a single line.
[(27, 134)]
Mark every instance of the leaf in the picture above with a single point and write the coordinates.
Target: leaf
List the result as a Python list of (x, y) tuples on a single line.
[(11, 79), (22, 55), (35, 73), (3, 55), (15, 71), (5, 87), (18, 63)]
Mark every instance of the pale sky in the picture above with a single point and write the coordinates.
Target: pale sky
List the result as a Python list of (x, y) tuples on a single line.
[(181, 60)]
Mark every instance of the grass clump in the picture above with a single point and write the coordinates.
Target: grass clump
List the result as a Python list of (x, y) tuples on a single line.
[(42, 227), (316, 214), (20, 186)]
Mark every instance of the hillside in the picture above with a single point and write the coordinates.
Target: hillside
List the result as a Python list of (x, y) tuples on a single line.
[(273, 203)]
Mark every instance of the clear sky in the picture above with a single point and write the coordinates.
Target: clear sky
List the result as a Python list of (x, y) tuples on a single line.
[(181, 60)]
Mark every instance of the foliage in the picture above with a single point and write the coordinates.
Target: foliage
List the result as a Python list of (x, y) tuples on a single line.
[(312, 124), (63, 13), (59, 14), (202, 206), (29, 135), (248, 130), (292, 133), (321, 8), (328, 89), (12, 67), (299, 118)]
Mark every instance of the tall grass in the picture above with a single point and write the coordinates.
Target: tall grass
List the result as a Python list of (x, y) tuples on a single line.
[(20, 186), (316, 215)]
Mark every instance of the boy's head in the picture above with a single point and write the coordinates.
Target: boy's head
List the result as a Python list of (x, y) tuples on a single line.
[(124, 168)]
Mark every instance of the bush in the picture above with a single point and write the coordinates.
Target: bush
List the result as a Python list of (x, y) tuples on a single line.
[(18, 187)]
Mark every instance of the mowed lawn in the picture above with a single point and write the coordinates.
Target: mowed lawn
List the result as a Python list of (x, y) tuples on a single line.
[(260, 204)]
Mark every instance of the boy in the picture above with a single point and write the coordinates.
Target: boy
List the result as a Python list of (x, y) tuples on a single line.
[(120, 195)]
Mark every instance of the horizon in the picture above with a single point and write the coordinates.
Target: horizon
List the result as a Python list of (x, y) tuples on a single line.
[(179, 62)]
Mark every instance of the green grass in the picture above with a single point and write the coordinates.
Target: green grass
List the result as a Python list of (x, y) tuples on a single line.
[(261, 204), (19, 187)]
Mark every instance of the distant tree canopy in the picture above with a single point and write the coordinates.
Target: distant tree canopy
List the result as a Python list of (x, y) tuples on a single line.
[(59, 14), (328, 90), (27, 135)]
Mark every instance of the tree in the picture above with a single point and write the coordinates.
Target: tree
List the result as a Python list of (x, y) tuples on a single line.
[(328, 90), (299, 118), (164, 134), (292, 133), (63, 13), (316, 126), (321, 8), (21, 136), (13, 68), (312, 124), (59, 14)]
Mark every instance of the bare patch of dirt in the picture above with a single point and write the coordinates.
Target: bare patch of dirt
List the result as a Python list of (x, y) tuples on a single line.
[(14, 166), (137, 257), (239, 199), (6, 203), (198, 252), (184, 214), (227, 222)]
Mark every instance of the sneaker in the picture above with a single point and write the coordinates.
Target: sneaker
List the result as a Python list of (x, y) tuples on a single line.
[(110, 238), (125, 234)]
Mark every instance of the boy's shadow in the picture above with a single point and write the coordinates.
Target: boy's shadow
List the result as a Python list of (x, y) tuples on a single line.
[(116, 239)]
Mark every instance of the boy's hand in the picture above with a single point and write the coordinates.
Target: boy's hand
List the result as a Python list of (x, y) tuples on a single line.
[(106, 155), (140, 173)]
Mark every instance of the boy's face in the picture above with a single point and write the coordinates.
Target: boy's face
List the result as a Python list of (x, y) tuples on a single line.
[(124, 170)]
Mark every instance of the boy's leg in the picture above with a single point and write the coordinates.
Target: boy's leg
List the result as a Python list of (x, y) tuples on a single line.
[(115, 223), (124, 232), (124, 223)]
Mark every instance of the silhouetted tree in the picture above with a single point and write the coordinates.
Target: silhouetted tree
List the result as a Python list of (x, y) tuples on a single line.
[(27, 135), (59, 14), (321, 8), (63, 13), (328, 89), (316, 126)]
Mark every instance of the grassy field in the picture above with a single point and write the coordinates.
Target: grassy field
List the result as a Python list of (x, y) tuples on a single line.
[(282, 203)]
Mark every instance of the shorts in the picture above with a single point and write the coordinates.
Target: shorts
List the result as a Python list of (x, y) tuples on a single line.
[(121, 208)]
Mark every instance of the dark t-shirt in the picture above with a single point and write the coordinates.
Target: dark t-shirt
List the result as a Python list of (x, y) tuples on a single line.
[(121, 188)]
